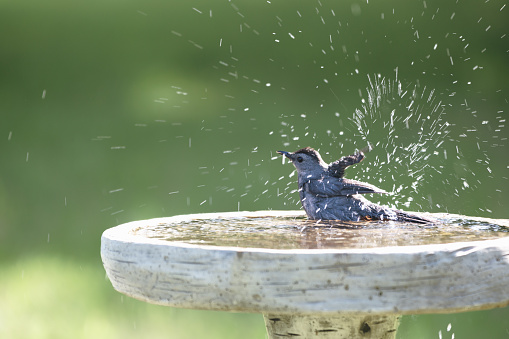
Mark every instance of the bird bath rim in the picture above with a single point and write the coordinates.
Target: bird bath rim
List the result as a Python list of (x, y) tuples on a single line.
[(416, 279)]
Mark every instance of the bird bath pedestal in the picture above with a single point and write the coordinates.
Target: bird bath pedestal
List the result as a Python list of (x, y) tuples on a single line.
[(308, 280)]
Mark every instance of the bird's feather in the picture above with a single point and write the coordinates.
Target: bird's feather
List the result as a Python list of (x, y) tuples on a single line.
[(333, 186), (404, 216)]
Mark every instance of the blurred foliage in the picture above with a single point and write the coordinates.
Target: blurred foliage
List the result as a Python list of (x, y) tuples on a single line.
[(55, 298), (116, 111)]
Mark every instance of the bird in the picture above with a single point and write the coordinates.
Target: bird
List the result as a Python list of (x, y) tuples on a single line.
[(326, 195)]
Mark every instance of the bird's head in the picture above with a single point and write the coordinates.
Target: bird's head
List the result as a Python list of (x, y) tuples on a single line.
[(307, 161)]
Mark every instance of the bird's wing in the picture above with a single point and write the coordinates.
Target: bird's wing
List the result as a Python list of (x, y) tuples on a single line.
[(332, 186), (337, 168)]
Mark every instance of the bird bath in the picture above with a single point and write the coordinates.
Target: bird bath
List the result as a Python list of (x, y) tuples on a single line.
[(327, 280)]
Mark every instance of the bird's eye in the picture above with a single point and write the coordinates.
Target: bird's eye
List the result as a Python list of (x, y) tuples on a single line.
[(299, 159)]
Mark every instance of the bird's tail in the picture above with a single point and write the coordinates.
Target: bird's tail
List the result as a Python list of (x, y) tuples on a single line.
[(410, 217)]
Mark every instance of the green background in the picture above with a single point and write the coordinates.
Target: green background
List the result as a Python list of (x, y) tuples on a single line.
[(117, 111)]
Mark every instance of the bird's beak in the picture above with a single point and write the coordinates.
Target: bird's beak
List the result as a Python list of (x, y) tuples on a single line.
[(286, 154)]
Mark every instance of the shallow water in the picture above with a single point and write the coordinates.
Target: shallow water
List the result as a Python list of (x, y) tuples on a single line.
[(300, 233)]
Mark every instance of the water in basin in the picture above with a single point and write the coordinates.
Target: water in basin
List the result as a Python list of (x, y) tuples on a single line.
[(299, 233)]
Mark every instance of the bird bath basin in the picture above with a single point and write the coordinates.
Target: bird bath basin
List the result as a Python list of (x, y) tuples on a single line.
[(326, 280)]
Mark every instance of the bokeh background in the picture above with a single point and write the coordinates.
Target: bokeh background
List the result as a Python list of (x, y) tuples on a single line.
[(117, 111)]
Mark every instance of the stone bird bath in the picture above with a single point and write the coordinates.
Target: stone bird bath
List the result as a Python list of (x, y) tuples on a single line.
[(334, 280)]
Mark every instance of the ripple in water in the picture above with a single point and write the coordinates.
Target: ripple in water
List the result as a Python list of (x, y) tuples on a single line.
[(300, 233)]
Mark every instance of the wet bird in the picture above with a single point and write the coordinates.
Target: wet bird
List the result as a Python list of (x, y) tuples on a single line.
[(326, 195)]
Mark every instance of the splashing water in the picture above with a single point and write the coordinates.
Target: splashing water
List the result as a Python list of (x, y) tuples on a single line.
[(389, 109), (289, 79)]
